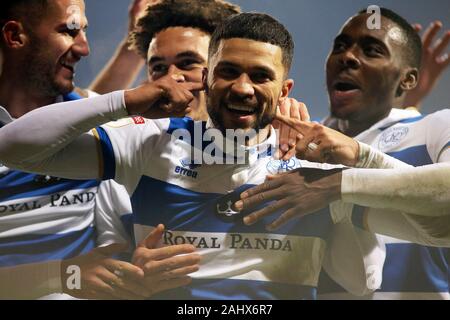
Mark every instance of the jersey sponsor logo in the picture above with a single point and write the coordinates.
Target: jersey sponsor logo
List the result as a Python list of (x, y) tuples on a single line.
[(392, 137), (280, 166), (54, 200), (234, 241), (138, 120)]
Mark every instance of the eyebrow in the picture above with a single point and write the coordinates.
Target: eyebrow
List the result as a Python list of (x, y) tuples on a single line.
[(184, 54), (265, 69)]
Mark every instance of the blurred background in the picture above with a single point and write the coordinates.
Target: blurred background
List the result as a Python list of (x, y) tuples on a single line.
[(313, 24)]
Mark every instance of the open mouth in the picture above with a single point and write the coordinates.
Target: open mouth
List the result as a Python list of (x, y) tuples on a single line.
[(241, 109), (67, 65), (345, 86)]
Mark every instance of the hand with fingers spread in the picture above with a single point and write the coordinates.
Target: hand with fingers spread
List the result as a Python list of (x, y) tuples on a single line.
[(434, 61), (296, 193), (103, 277), (167, 267), (287, 136), (318, 143), (162, 98)]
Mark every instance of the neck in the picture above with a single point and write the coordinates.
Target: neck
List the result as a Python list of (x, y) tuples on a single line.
[(352, 128), (18, 98)]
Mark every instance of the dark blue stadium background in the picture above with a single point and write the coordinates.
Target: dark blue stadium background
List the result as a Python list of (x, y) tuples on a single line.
[(313, 23)]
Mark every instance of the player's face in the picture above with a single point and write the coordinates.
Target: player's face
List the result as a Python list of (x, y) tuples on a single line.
[(364, 70), (181, 52), (245, 84), (57, 43)]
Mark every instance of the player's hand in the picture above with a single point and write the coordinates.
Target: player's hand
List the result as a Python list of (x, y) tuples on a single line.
[(136, 10), (434, 62), (287, 136), (296, 193), (162, 98), (318, 143), (167, 267), (103, 277)]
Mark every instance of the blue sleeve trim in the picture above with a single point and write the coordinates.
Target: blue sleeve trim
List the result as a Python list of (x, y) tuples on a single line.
[(109, 160)]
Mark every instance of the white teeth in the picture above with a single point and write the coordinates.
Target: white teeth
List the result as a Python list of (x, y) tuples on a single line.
[(240, 108)]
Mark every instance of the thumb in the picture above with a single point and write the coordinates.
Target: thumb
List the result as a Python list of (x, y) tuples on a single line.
[(153, 238), (111, 249)]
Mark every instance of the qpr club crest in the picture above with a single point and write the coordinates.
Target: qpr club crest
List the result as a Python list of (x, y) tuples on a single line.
[(224, 207), (280, 166), (392, 137)]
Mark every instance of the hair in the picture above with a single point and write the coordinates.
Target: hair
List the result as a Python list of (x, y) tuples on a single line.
[(255, 26), (412, 53), (30, 11), (204, 15)]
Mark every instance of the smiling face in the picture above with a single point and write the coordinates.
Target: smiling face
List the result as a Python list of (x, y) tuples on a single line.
[(183, 53), (54, 49), (246, 82), (365, 70)]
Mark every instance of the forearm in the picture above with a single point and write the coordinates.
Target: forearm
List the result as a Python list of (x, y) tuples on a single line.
[(40, 134), (423, 191), (30, 281), (120, 72), (371, 158)]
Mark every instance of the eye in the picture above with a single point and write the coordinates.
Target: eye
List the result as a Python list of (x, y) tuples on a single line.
[(188, 64), (227, 72), (260, 77), (373, 50), (339, 46), (158, 69)]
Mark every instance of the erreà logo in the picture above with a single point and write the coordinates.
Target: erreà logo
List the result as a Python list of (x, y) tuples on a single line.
[(186, 169), (138, 120)]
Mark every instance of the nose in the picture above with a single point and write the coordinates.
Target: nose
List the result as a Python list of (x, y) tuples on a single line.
[(243, 87), (176, 73), (81, 45), (349, 59)]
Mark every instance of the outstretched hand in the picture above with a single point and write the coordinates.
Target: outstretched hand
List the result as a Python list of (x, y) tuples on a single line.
[(435, 61), (167, 267)]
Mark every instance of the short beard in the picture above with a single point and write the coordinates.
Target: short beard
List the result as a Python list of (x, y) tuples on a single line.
[(39, 72)]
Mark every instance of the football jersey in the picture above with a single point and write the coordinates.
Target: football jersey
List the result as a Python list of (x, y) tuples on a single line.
[(194, 201), (411, 271), (44, 218)]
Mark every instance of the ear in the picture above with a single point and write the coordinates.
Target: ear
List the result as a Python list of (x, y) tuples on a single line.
[(288, 84), (14, 35), (205, 79), (410, 79)]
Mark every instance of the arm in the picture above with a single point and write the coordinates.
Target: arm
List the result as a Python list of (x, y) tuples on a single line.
[(51, 140), (124, 66)]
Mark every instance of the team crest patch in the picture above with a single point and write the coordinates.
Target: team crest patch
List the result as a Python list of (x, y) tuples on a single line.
[(392, 137), (280, 166)]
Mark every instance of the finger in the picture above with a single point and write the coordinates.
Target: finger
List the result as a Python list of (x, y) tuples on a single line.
[(169, 264), (442, 45), (128, 270), (170, 251), (193, 86), (153, 238), (295, 212), (430, 33), (111, 249), (297, 109), (304, 113), (126, 295), (131, 289), (301, 147), (296, 124), (173, 283), (266, 186), (285, 110), (177, 273), (270, 209), (417, 27)]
